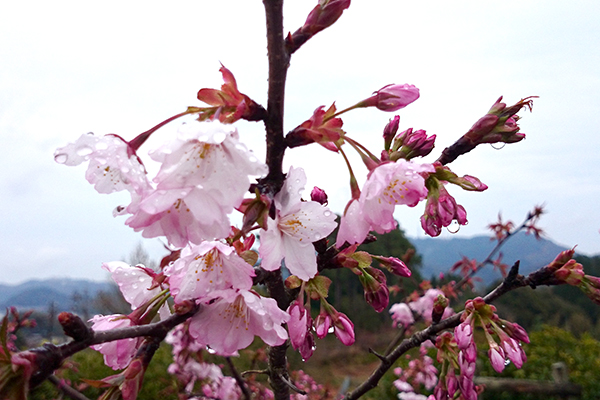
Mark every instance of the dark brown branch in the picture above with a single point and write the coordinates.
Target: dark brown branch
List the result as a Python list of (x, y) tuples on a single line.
[(278, 64), (49, 357), (511, 282)]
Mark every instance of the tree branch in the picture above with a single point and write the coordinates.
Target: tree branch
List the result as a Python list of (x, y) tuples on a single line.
[(511, 282)]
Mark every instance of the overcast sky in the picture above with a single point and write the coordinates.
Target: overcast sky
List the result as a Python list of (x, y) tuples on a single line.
[(67, 68)]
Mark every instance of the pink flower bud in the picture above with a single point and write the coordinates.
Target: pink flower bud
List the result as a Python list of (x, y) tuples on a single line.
[(392, 97), (343, 329), (319, 196), (324, 15), (322, 324), (496, 355), (394, 265), (464, 334), (377, 293), (390, 131), (515, 331)]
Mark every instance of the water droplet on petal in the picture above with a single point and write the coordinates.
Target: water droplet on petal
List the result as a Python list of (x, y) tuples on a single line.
[(330, 330), (327, 213), (134, 286), (84, 151), (498, 146), (218, 137), (317, 236), (454, 227), (141, 279), (61, 158), (211, 351), (101, 146)]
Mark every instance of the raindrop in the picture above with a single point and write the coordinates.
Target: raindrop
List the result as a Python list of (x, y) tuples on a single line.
[(297, 181), (317, 236), (84, 151), (330, 330), (61, 158), (327, 213), (141, 279), (498, 146), (219, 137), (211, 351), (454, 227), (134, 286)]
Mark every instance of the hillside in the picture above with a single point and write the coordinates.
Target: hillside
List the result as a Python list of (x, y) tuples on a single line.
[(438, 255)]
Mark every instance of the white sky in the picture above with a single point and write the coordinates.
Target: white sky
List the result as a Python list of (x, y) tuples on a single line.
[(67, 68)]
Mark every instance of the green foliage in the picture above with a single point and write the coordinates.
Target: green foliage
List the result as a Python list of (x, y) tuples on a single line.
[(548, 346), (158, 384)]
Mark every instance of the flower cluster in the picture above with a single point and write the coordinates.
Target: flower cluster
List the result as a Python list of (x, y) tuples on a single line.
[(479, 313)]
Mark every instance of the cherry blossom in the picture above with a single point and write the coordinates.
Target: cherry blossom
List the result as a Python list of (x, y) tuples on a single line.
[(230, 319), (119, 353), (208, 267), (113, 165), (138, 284), (205, 173), (297, 224), (391, 184), (402, 315), (387, 185)]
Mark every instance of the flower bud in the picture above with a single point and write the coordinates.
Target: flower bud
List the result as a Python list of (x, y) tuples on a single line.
[(392, 97), (390, 131), (319, 196), (394, 265), (377, 293), (324, 15)]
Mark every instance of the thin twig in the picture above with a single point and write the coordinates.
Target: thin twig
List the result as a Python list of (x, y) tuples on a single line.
[(240, 381), (66, 389), (511, 282)]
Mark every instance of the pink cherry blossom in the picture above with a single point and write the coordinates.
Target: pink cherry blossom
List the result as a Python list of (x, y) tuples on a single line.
[(354, 227), (402, 315), (205, 268), (424, 305), (387, 185), (204, 175), (113, 165), (230, 319), (119, 353), (297, 224), (391, 184), (135, 284)]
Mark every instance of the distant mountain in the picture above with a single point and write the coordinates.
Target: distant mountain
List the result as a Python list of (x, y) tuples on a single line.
[(440, 254), (38, 294)]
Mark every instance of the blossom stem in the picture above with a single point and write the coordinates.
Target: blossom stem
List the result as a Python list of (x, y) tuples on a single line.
[(357, 105), (137, 142), (353, 182), (358, 146)]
